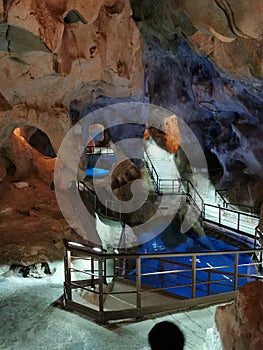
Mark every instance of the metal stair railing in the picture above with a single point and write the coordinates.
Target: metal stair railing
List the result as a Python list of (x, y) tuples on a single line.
[(233, 219), (102, 208), (258, 242), (238, 221), (153, 173), (192, 192), (231, 205)]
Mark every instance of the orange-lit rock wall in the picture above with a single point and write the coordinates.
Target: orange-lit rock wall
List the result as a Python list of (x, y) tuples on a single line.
[(48, 61)]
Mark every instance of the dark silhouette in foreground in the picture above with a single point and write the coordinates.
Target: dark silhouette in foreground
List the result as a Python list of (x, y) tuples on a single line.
[(166, 335)]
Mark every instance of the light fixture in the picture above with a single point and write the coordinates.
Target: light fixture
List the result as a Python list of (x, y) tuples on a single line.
[(76, 244), (97, 249)]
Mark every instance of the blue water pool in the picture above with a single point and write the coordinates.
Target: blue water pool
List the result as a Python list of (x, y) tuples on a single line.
[(175, 282), (96, 172)]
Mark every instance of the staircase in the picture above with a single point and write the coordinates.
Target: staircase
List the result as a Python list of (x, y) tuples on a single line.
[(164, 174)]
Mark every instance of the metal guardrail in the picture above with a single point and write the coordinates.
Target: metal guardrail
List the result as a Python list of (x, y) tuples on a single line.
[(258, 243), (90, 288), (221, 215), (231, 205), (235, 220), (106, 150), (153, 173), (92, 200), (192, 192)]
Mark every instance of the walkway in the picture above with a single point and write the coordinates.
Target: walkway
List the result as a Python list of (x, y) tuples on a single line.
[(163, 170), (212, 205)]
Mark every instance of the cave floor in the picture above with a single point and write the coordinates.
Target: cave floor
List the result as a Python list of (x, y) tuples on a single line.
[(31, 318)]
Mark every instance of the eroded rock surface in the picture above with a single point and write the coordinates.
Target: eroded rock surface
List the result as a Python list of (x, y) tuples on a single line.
[(240, 323), (220, 98), (54, 52)]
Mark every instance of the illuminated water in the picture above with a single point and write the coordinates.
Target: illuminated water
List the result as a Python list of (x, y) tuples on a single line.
[(173, 282)]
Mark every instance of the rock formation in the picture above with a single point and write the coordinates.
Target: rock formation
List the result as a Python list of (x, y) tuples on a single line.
[(220, 98), (240, 323), (55, 52)]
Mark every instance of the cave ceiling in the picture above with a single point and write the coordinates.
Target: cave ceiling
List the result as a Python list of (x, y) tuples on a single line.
[(200, 59)]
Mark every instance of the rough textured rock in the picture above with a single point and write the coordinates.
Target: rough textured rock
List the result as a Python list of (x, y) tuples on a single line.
[(229, 32), (224, 111), (240, 323), (27, 160), (48, 61)]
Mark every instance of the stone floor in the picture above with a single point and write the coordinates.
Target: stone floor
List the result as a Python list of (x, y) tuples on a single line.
[(31, 320)]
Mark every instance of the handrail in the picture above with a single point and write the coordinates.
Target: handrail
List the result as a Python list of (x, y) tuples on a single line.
[(152, 171), (224, 217), (252, 210), (100, 148), (227, 204), (85, 248), (200, 281), (196, 195), (104, 207), (218, 193)]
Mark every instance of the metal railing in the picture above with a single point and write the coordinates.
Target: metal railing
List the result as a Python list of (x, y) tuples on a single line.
[(222, 215), (91, 200), (235, 220), (107, 150), (219, 194), (153, 173), (192, 192), (122, 285), (258, 243)]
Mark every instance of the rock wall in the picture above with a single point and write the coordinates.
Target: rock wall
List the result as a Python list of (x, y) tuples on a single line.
[(220, 98), (54, 52), (240, 323), (229, 32)]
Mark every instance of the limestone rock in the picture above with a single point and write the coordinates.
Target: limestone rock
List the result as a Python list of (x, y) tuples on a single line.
[(231, 28), (240, 323), (45, 67), (27, 160)]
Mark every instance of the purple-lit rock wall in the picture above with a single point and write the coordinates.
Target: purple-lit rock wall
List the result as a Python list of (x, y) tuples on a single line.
[(224, 109)]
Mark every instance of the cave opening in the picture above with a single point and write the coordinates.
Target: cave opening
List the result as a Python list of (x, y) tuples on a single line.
[(37, 139), (215, 169)]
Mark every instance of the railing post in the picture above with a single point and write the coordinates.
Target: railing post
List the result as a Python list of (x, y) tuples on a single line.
[(162, 278), (193, 276), (105, 272), (138, 286), (238, 221), (236, 272), (92, 272), (100, 267), (209, 282), (67, 272), (219, 216)]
